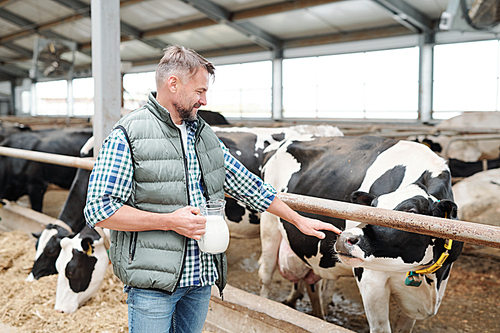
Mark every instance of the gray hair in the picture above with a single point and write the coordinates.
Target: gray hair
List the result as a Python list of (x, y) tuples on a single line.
[(182, 62)]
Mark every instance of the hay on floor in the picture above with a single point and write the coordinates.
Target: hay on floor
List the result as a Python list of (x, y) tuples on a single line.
[(29, 306)]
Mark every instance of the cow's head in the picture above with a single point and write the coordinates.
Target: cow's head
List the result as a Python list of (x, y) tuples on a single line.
[(386, 249), (48, 248), (81, 267)]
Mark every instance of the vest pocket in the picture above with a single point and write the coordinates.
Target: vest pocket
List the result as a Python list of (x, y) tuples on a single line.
[(132, 246)]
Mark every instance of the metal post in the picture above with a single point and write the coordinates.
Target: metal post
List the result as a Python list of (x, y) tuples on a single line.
[(33, 101), (13, 102), (105, 67), (277, 89), (70, 98), (425, 77)]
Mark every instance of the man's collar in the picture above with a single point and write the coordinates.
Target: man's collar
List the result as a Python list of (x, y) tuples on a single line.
[(191, 124)]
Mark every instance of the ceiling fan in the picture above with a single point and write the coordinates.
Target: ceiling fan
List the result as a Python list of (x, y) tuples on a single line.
[(471, 15), (53, 58)]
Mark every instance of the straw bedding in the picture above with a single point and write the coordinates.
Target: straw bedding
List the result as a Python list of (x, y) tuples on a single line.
[(29, 306)]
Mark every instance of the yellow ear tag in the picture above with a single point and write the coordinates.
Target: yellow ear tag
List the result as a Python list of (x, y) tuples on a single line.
[(89, 251)]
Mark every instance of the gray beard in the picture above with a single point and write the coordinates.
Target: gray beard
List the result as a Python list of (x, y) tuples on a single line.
[(185, 114)]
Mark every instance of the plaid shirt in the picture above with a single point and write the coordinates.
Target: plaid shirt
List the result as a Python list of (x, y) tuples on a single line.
[(110, 186)]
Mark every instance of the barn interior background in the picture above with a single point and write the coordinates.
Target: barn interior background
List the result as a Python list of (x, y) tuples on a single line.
[(420, 70)]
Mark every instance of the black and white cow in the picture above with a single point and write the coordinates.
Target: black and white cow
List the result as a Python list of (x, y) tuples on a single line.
[(81, 266), (72, 221), (398, 175), (8, 128), (20, 176), (466, 155), (247, 144)]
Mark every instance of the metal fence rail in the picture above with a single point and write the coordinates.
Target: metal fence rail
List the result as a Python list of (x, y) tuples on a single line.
[(70, 161), (474, 233)]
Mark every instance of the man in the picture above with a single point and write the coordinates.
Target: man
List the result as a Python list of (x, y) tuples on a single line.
[(154, 170)]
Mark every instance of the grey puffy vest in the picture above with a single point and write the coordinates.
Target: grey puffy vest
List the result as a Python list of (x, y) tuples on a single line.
[(155, 259)]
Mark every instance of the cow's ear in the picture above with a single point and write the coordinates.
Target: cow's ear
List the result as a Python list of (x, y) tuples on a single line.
[(362, 198), (445, 208), (37, 234), (87, 245)]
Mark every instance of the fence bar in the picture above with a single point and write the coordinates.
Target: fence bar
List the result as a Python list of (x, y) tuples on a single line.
[(70, 161), (474, 233)]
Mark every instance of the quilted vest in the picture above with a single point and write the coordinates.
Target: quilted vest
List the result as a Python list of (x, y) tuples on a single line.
[(155, 259)]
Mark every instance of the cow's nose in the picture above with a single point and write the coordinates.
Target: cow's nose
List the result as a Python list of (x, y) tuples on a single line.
[(352, 240)]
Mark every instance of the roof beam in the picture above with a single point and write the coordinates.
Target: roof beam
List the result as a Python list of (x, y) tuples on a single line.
[(352, 36), (6, 77), (220, 14), (35, 28), (360, 35), (7, 15), (12, 70), (125, 28), (22, 22), (18, 49), (407, 16), (84, 11), (239, 15), (25, 23), (280, 7)]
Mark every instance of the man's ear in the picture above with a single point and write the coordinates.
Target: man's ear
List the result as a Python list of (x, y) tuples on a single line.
[(172, 83), (362, 198)]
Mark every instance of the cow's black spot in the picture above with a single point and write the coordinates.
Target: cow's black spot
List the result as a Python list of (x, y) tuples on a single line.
[(79, 271), (278, 137), (307, 246), (383, 242), (234, 211), (389, 181), (428, 280), (254, 218), (358, 273)]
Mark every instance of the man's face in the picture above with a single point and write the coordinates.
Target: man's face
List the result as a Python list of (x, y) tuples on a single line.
[(192, 95)]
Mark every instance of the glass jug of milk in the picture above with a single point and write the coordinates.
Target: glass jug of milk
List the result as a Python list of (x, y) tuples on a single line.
[(216, 237)]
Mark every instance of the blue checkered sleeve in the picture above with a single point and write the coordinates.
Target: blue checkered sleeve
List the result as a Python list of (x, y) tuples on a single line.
[(245, 186), (110, 182)]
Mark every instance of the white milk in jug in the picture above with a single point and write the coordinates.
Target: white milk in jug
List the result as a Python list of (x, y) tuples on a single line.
[(216, 237)]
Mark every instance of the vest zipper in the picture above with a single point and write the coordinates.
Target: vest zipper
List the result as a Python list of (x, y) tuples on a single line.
[(187, 192)]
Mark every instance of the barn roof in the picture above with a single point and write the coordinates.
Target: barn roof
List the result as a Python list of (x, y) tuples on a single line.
[(214, 28)]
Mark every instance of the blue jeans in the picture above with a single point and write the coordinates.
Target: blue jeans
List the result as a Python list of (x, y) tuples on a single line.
[(154, 311)]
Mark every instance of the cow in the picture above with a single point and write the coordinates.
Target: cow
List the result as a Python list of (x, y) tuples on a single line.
[(478, 197), (398, 175), (8, 128), (466, 155), (247, 144), (20, 176), (71, 220), (213, 118), (81, 266)]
